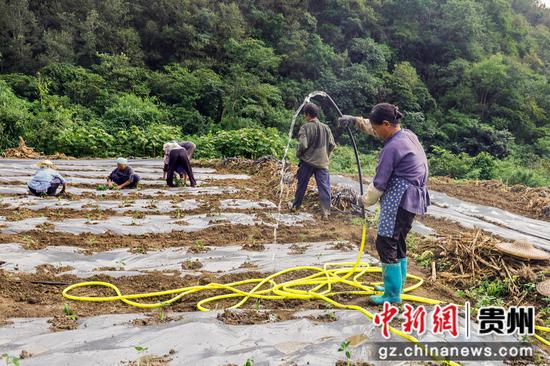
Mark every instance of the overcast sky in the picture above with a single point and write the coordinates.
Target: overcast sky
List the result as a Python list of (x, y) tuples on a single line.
[(547, 2)]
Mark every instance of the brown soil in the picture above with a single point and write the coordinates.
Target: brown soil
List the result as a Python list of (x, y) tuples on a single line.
[(49, 268), (249, 316), (150, 360), (248, 265), (20, 297), (198, 247), (17, 215), (252, 236), (323, 318), (46, 226), (343, 246), (526, 201), (154, 319), (25, 354), (61, 322), (255, 247), (297, 249), (191, 265)]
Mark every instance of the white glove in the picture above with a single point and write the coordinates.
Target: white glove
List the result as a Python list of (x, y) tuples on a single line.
[(372, 196), (365, 125)]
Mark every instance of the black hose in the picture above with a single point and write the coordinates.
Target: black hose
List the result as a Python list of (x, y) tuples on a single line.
[(359, 172), (355, 151)]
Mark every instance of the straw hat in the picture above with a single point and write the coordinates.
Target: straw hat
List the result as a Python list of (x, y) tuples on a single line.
[(46, 164), (523, 249), (544, 288)]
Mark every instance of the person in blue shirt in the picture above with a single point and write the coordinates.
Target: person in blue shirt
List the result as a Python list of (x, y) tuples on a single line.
[(46, 180), (400, 184)]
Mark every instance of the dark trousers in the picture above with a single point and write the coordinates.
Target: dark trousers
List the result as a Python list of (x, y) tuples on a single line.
[(394, 248), (179, 161), (189, 146), (52, 191), (132, 185), (322, 178)]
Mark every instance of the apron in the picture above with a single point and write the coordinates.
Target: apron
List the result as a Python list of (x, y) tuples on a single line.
[(389, 204)]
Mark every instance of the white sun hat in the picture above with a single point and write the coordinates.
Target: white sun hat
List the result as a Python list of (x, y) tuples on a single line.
[(122, 161)]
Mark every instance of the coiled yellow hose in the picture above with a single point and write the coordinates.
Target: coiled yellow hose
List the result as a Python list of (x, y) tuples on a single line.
[(317, 286)]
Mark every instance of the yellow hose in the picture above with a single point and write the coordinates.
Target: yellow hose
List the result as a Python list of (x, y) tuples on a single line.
[(317, 286)]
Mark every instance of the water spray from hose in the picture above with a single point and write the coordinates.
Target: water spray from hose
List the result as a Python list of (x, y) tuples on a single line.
[(283, 164)]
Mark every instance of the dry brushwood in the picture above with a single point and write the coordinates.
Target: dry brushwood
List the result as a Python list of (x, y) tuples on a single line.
[(25, 152), (346, 199), (475, 258), (21, 152), (270, 168)]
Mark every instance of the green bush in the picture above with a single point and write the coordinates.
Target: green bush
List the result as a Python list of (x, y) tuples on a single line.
[(79, 84), (443, 162), (13, 112), (52, 113), (129, 110), (343, 161), (86, 140), (250, 143), (512, 172), (484, 165), (146, 142), (24, 86), (93, 141)]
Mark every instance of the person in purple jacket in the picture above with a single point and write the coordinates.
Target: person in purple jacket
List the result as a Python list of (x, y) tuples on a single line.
[(400, 184)]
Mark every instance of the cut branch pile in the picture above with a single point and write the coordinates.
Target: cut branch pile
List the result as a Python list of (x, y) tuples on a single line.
[(25, 152), (21, 152), (470, 257), (538, 199), (346, 199)]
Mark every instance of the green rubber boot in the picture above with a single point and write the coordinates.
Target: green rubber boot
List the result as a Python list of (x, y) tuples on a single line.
[(403, 262), (392, 284)]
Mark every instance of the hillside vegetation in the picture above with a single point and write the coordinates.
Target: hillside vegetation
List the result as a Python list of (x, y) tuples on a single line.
[(101, 78)]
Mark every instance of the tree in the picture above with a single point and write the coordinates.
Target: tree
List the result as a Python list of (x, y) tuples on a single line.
[(254, 57), (404, 88), (18, 36), (366, 51), (460, 30)]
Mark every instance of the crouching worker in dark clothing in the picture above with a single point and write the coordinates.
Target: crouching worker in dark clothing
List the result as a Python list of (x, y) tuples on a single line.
[(123, 176), (189, 146), (316, 143), (46, 180), (176, 160)]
